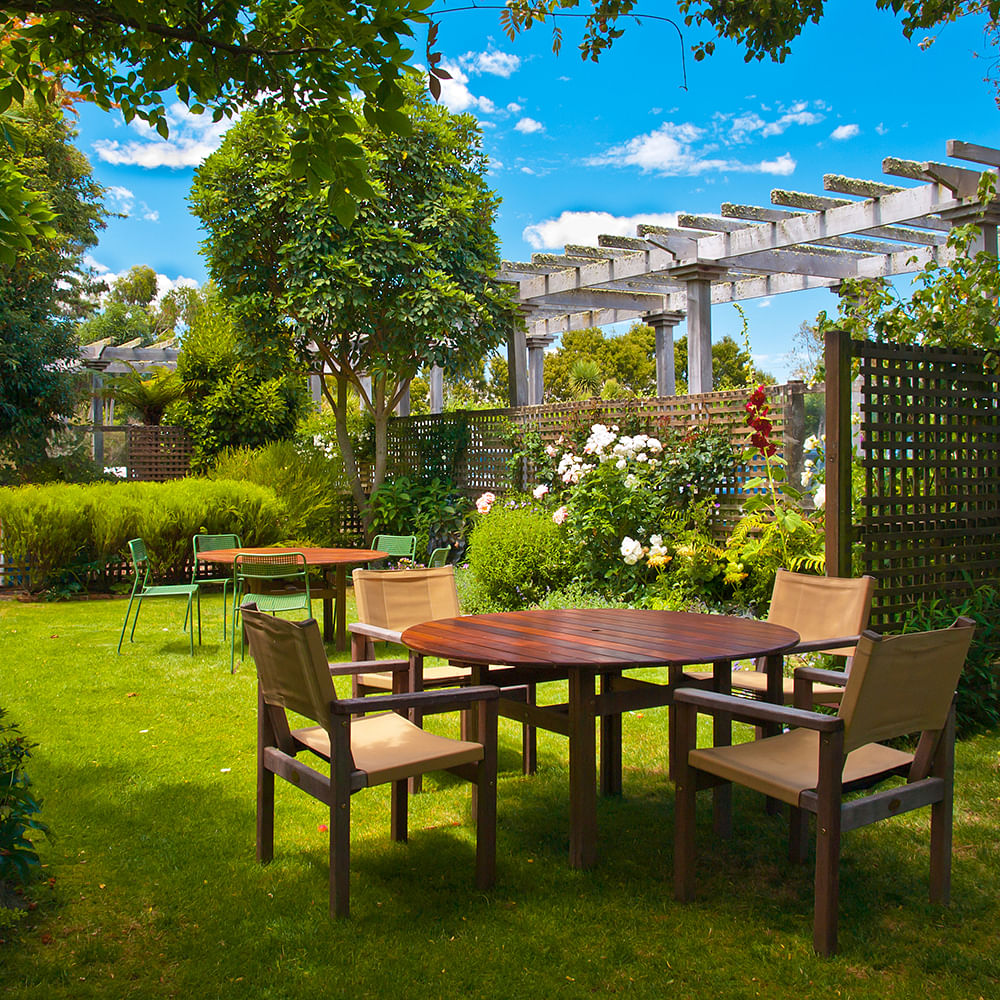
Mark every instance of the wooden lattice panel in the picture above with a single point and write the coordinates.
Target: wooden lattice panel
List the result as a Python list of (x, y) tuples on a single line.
[(931, 453), (156, 454)]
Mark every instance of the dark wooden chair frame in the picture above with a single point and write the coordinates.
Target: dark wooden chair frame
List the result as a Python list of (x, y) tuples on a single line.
[(930, 782), (277, 752)]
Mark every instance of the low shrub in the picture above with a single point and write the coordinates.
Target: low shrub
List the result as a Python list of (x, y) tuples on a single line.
[(69, 534), (310, 484), (978, 703), (434, 511), (518, 554)]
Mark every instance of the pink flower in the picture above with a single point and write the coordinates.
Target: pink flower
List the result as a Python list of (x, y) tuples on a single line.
[(485, 502), (539, 491), (560, 515)]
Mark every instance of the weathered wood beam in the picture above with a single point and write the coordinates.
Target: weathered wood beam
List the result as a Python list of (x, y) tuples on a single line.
[(622, 242), (857, 186), (575, 250), (962, 182), (975, 154), (596, 273), (589, 298)]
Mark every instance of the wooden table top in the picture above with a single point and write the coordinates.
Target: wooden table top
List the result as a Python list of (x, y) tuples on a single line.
[(605, 637), (314, 556)]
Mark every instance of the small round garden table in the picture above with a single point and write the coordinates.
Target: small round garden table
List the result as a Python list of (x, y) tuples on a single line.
[(582, 644), (333, 561)]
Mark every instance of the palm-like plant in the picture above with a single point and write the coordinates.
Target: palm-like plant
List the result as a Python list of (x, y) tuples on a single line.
[(585, 378), (146, 395)]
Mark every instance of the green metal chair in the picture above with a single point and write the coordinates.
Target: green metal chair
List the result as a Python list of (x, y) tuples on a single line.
[(274, 581), (397, 546), (439, 557), (142, 589), (208, 543)]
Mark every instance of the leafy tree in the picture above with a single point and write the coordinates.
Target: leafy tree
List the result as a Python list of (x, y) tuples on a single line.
[(146, 394), (955, 304), (218, 58), (236, 392), (765, 28), (410, 284), (131, 311), (42, 293)]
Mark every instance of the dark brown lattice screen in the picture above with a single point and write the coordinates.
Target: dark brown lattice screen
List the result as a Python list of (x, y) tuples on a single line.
[(930, 446)]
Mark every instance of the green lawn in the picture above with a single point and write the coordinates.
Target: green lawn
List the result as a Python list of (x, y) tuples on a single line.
[(146, 766)]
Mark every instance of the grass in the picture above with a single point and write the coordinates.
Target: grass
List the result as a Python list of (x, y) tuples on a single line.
[(146, 766)]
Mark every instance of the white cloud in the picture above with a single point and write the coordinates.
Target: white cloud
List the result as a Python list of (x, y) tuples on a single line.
[(493, 62), (585, 227), (764, 304), (747, 126), (456, 96), (798, 117), (514, 108), (672, 150), (192, 138), (526, 126), (149, 214), (845, 132), (119, 199)]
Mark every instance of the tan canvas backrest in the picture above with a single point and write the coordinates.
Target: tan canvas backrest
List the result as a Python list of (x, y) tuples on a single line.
[(397, 599), (903, 683), (292, 667), (821, 607)]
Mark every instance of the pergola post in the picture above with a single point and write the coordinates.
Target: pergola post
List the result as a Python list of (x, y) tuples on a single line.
[(536, 344), (698, 277), (437, 389), (403, 406), (517, 361), (97, 418), (663, 324)]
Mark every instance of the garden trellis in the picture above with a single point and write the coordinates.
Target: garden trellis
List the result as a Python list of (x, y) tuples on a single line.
[(860, 229)]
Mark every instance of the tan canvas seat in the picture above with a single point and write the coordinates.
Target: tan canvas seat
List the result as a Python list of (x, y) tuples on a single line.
[(389, 602), (829, 613), (898, 685), (293, 674)]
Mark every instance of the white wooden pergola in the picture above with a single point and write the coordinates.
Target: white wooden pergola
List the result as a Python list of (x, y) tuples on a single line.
[(663, 275)]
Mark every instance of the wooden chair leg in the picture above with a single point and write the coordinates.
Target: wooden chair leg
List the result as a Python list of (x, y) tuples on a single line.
[(484, 797), (340, 819), (398, 810), (265, 813), (798, 831), (415, 682), (831, 763), (529, 737), (941, 815), (683, 729)]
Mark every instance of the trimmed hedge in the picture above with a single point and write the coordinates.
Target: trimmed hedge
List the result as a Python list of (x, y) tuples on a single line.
[(67, 532)]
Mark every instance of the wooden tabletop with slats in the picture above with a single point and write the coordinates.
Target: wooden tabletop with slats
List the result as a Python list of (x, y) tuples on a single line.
[(605, 637)]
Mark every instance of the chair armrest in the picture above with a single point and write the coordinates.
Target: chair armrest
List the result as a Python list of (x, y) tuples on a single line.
[(367, 667), (429, 702), (374, 632), (818, 645), (713, 703), (818, 676)]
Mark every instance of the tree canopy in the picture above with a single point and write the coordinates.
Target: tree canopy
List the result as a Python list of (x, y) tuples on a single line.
[(45, 290), (409, 284), (764, 28), (219, 58)]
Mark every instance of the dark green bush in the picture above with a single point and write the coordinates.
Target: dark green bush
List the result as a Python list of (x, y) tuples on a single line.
[(517, 554), (434, 511), (19, 862), (65, 532), (311, 486), (978, 703)]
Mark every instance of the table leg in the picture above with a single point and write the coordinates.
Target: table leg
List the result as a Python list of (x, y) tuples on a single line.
[(340, 588), (774, 665), (722, 736), (611, 744), (582, 754)]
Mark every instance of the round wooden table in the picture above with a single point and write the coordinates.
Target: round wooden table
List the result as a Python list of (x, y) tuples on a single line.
[(334, 561), (582, 644)]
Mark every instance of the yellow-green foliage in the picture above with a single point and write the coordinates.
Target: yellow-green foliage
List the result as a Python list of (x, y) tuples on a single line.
[(64, 530)]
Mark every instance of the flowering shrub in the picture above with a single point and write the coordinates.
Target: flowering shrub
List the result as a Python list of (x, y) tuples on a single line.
[(616, 492), (775, 531)]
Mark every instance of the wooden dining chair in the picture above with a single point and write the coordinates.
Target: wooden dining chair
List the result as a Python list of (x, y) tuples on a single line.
[(898, 685), (293, 674), (828, 612), (388, 603)]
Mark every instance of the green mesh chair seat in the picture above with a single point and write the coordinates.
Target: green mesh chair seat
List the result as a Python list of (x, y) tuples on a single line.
[(142, 588), (397, 547), (439, 557)]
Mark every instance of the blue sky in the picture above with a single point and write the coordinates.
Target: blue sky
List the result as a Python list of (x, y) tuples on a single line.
[(579, 149)]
